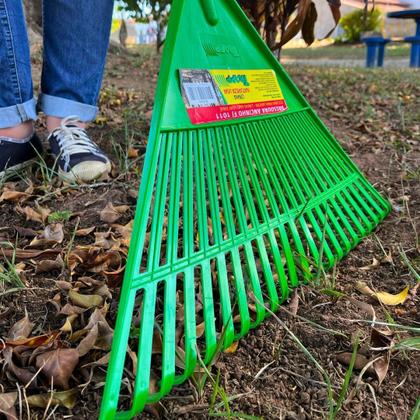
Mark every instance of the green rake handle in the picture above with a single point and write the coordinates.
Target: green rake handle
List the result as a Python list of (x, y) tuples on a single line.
[(210, 12)]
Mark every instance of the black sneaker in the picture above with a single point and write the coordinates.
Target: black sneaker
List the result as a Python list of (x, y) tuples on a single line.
[(18, 154), (77, 156)]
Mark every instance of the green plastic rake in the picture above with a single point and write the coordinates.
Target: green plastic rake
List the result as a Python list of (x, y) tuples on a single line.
[(244, 194)]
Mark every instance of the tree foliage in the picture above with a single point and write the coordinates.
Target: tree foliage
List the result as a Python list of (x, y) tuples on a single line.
[(359, 21), (278, 21)]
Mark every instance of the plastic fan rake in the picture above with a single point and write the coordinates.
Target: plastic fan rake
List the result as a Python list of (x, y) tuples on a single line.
[(231, 214)]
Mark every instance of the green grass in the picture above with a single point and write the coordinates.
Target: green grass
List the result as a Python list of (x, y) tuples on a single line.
[(344, 52), (9, 275)]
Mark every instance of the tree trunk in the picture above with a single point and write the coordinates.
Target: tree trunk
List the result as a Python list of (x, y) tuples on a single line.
[(123, 34), (33, 14), (33, 11)]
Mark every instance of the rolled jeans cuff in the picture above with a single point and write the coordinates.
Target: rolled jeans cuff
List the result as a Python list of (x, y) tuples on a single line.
[(14, 115), (62, 108)]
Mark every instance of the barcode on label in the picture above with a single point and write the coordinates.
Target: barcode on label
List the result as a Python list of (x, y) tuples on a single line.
[(200, 94)]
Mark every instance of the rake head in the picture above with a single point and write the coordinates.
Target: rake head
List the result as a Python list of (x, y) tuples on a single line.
[(231, 215)]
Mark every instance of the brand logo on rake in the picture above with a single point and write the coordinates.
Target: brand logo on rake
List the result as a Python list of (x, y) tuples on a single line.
[(220, 49), (233, 79)]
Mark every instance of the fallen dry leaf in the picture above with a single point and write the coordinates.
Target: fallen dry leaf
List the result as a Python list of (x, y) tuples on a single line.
[(85, 301), (37, 341), (106, 241), (66, 399), (29, 254), (53, 234), (58, 365), (25, 232), (360, 362), (157, 343), (68, 325), (383, 297), (110, 214), (23, 375), (232, 348), (365, 307), (381, 366), (11, 195), (132, 153), (94, 259), (99, 334), (7, 405), (125, 232), (21, 329), (85, 231), (294, 303), (40, 214), (46, 266), (199, 330), (375, 263)]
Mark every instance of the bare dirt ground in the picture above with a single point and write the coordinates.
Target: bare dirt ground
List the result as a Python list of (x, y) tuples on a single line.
[(62, 254)]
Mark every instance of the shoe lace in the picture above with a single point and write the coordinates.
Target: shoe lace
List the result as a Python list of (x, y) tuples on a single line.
[(73, 139)]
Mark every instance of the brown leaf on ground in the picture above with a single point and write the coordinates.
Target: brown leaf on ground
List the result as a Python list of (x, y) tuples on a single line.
[(23, 375), (294, 303), (88, 342), (68, 309), (7, 405), (85, 232), (106, 241), (125, 232), (66, 399), (58, 365), (365, 307), (375, 263), (360, 362), (46, 266), (21, 329), (132, 153), (99, 334), (53, 234), (85, 301), (25, 232), (199, 330), (157, 347), (110, 214), (37, 341), (12, 195), (40, 214), (94, 259), (29, 254), (381, 367)]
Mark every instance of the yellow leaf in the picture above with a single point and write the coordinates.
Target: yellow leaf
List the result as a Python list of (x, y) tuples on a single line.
[(383, 297), (232, 348), (389, 299)]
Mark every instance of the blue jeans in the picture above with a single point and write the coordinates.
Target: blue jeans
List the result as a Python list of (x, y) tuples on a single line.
[(76, 37)]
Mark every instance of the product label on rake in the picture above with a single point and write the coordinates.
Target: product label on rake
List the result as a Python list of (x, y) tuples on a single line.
[(220, 95)]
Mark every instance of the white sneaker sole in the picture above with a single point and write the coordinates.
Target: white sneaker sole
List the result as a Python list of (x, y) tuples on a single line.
[(86, 171)]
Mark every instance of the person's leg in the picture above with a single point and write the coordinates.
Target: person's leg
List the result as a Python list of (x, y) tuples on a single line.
[(17, 106), (76, 39)]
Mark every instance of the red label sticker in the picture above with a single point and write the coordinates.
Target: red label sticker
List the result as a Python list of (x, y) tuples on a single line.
[(221, 95)]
